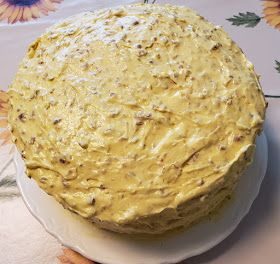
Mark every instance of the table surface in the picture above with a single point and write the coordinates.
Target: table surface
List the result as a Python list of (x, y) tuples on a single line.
[(257, 238)]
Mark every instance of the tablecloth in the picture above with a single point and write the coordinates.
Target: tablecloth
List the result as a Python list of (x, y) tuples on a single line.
[(253, 25)]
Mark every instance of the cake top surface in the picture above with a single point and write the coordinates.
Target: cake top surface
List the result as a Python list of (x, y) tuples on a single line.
[(123, 112)]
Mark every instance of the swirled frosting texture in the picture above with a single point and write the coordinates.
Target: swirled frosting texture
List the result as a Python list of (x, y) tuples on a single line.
[(139, 118)]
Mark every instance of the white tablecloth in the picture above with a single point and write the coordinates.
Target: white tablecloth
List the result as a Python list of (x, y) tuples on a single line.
[(24, 241)]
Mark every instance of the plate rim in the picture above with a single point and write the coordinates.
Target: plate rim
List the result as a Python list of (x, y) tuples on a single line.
[(107, 260)]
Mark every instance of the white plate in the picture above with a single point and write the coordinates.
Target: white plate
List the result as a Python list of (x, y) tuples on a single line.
[(110, 248)]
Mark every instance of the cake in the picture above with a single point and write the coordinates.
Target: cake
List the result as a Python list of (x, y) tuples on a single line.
[(139, 118)]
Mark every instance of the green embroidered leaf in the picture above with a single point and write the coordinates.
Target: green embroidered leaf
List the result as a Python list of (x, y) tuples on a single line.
[(277, 66), (147, 1), (8, 182), (248, 19), (271, 96)]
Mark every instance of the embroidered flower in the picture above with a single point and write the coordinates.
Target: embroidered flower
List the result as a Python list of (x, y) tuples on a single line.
[(25, 10), (70, 256), (271, 11), (5, 137)]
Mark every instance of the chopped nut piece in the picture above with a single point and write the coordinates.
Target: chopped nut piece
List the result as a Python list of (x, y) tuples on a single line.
[(142, 53), (52, 101), (107, 131), (203, 198), (200, 182), (91, 200), (114, 112), (56, 121), (143, 115), (131, 174), (237, 138), (139, 122), (63, 161), (229, 101), (43, 180), (216, 46), (32, 140), (71, 175), (133, 139), (22, 117), (164, 39), (83, 144), (222, 147)]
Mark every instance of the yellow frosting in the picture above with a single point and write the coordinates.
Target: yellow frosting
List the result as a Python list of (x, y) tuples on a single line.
[(128, 116)]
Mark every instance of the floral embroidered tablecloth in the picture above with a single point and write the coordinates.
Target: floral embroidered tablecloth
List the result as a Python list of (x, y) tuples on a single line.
[(253, 24)]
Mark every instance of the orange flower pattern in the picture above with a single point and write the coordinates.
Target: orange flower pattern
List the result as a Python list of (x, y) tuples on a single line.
[(24, 10), (71, 257), (271, 11), (5, 136)]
